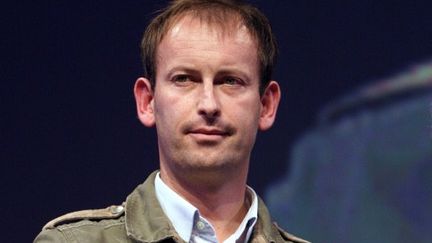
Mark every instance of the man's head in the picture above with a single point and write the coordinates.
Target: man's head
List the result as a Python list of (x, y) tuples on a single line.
[(220, 14), (207, 105)]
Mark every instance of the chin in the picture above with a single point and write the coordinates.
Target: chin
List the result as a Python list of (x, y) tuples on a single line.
[(214, 162)]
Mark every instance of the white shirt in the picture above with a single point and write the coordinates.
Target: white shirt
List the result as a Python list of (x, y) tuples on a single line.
[(194, 228)]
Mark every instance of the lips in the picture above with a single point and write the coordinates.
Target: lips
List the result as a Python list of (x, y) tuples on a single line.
[(209, 131), (208, 134)]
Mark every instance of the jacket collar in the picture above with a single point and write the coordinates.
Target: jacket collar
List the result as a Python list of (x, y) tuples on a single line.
[(145, 219), (264, 230)]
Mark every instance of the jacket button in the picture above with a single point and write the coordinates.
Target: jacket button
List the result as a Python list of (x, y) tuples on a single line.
[(117, 209)]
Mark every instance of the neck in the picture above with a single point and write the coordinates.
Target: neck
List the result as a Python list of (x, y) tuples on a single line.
[(223, 203)]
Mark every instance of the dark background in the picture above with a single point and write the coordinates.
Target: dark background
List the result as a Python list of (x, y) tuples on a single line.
[(70, 138)]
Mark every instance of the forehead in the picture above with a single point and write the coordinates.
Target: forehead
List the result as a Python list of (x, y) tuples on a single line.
[(228, 26), (220, 22), (190, 40)]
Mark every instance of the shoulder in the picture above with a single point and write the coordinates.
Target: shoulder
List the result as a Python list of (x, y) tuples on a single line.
[(111, 212), (91, 224), (287, 237)]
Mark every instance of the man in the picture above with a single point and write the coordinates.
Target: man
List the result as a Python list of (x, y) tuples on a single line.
[(207, 90)]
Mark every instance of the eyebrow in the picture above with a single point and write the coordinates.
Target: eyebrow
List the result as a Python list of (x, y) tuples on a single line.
[(235, 72), (182, 68)]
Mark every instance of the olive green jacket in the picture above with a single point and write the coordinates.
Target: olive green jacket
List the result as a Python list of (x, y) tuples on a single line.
[(140, 219)]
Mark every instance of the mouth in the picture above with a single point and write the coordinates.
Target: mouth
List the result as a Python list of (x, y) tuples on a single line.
[(208, 134)]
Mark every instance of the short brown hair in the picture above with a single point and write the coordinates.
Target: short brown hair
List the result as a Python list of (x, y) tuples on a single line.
[(211, 11)]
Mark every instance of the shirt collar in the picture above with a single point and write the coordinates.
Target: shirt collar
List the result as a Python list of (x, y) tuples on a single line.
[(245, 229), (181, 213)]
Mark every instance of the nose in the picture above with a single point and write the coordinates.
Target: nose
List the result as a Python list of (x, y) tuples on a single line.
[(208, 103)]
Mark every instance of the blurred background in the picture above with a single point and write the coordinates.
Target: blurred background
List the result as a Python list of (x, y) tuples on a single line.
[(348, 160)]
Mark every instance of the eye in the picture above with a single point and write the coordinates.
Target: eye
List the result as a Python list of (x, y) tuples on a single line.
[(231, 81), (182, 78)]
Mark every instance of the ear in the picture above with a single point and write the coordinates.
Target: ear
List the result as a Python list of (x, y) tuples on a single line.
[(269, 102), (144, 101)]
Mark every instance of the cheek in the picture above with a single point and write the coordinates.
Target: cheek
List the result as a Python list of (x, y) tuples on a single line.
[(169, 110), (162, 109), (245, 113)]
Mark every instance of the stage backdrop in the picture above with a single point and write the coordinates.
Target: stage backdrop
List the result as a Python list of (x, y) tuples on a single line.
[(364, 173)]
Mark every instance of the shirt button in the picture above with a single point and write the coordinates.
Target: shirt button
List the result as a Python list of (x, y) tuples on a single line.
[(200, 225)]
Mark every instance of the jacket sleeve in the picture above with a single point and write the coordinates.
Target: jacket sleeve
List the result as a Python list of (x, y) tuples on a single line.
[(50, 236)]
